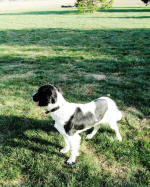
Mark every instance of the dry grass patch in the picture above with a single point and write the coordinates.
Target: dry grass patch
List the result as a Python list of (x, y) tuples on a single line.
[(96, 76), (12, 182), (15, 76)]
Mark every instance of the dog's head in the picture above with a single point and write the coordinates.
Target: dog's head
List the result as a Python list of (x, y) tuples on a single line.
[(46, 95)]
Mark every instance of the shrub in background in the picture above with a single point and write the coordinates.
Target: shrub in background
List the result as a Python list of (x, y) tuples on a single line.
[(93, 5), (106, 4)]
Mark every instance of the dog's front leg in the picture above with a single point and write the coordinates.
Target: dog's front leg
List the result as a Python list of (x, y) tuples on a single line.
[(67, 145), (62, 132), (74, 146)]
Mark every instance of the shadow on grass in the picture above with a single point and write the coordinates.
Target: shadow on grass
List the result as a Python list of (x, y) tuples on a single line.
[(122, 55), (14, 128), (59, 12), (126, 81), (126, 9), (75, 11), (33, 156), (123, 17)]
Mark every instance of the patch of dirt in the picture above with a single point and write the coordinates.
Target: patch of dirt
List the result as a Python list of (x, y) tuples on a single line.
[(11, 66), (28, 4), (116, 76), (24, 75), (96, 76), (127, 2), (10, 103), (62, 76)]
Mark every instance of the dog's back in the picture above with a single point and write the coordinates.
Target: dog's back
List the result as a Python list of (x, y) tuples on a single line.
[(112, 112)]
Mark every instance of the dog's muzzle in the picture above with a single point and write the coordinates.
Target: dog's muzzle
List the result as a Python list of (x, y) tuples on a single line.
[(36, 102)]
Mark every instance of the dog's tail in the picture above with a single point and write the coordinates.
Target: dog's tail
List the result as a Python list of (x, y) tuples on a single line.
[(119, 115)]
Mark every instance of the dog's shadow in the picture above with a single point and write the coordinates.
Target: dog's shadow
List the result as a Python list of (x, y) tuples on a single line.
[(13, 134)]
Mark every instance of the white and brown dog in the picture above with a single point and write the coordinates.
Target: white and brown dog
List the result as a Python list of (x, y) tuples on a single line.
[(71, 119)]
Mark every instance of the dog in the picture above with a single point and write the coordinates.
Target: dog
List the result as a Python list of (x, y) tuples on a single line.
[(71, 118)]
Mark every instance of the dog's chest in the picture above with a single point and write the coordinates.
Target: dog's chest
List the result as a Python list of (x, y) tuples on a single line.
[(60, 128), (63, 115)]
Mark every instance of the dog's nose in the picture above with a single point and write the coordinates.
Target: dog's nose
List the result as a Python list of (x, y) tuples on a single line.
[(32, 95)]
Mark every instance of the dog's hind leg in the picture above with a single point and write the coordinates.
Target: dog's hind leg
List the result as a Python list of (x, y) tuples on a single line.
[(74, 146), (67, 145), (114, 126), (90, 136)]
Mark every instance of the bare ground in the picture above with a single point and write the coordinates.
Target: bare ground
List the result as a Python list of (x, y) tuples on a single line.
[(128, 2), (30, 4)]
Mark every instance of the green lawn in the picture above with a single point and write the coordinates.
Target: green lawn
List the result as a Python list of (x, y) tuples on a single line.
[(88, 56)]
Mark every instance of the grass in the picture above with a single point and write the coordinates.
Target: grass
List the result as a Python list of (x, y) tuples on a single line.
[(88, 56)]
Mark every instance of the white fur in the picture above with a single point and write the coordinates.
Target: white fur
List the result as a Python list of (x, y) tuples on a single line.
[(66, 110)]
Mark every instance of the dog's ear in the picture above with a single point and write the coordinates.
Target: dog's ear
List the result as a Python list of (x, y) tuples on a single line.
[(59, 89), (53, 97), (51, 93)]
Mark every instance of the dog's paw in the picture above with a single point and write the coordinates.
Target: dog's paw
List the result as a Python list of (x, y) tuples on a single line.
[(120, 139), (89, 136), (70, 161), (64, 150)]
